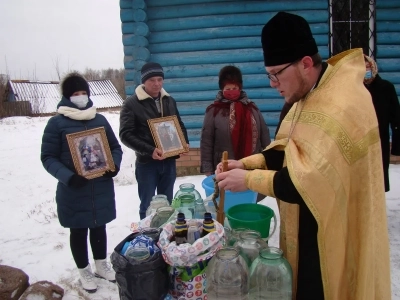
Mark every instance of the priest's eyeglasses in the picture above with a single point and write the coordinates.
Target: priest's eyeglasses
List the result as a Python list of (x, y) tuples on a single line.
[(274, 77)]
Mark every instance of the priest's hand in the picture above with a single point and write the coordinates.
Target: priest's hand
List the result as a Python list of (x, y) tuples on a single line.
[(232, 164), (233, 180)]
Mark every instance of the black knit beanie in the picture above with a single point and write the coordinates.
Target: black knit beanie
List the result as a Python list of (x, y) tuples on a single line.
[(151, 70), (286, 38), (230, 74), (72, 83)]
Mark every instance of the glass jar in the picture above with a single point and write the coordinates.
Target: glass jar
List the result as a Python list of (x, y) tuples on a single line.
[(157, 201), (188, 188), (233, 235), (249, 245), (227, 276), (163, 214), (271, 276), (153, 233), (137, 254), (187, 202)]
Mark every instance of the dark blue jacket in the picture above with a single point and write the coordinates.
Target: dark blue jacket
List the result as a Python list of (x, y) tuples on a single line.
[(93, 204)]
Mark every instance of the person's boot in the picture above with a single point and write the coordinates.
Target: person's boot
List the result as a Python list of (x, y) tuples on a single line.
[(87, 279), (104, 270)]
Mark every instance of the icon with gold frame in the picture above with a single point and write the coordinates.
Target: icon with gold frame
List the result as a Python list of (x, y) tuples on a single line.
[(168, 135), (91, 152)]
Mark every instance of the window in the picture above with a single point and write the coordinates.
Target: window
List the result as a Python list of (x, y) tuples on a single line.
[(352, 25)]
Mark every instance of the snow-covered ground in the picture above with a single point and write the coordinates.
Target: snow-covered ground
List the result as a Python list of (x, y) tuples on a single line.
[(32, 239)]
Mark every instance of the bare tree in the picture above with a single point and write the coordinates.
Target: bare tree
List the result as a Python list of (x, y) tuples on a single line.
[(56, 64)]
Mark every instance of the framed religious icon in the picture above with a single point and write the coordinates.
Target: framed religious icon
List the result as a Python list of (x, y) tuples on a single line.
[(168, 135), (91, 152)]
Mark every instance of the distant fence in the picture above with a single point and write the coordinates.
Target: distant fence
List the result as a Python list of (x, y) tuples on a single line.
[(17, 108)]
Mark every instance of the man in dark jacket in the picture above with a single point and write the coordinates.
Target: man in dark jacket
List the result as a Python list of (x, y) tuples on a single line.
[(152, 170), (387, 110)]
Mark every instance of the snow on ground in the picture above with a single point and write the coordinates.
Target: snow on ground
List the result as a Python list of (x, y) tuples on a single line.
[(32, 239)]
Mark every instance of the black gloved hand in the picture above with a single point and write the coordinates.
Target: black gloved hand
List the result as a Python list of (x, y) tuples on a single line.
[(77, 181), (111, 173)]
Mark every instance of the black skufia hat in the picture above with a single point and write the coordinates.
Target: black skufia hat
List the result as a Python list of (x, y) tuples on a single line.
[(72, 83), (230, 74), (286, 38)]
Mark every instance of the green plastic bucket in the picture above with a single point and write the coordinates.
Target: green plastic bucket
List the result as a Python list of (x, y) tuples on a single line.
[(252, 216)]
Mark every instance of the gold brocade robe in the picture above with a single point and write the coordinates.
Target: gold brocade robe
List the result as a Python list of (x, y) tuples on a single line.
[(334, 160)]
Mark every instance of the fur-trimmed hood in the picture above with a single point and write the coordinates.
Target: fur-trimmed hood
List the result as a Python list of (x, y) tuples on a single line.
[(142, 95)]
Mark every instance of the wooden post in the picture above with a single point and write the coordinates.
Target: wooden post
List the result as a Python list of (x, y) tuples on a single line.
[(221, 211)]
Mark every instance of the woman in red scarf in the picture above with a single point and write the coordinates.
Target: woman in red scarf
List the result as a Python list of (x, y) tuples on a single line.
[(232, 123)]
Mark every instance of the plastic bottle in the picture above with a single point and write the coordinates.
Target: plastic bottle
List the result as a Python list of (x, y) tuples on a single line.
[(181, 229), (193, 232), (208, 224), (199, 209)]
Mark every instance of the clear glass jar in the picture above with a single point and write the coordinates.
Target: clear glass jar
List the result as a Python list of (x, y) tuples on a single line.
[(157, 201), (271, 276), (249, 245), (233, 235), (227, 276), (163, 214), (153, 233), (188, 188), (137, 254)]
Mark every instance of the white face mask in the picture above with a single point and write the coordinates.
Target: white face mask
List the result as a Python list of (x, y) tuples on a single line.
[(81, 101)]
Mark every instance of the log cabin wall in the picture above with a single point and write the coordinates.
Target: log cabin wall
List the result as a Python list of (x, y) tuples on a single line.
[(194, 39), (388, 40)]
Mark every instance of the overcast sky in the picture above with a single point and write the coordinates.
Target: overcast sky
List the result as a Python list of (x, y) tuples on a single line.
[(36, 34)]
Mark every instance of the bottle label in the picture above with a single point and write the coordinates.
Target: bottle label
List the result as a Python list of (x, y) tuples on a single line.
[(209, 227), (180, 227)]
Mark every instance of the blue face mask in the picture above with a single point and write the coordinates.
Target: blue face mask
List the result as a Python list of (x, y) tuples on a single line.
[(368, 74)]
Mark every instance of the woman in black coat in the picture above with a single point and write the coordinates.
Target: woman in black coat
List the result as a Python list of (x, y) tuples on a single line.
[(82, 205), (387, 110)]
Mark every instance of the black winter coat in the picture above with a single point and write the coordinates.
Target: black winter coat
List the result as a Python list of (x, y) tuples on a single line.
[(93, 204), (134, 131), (387, 110)]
